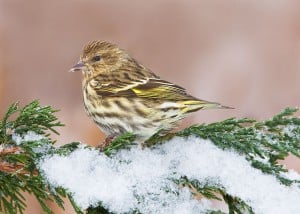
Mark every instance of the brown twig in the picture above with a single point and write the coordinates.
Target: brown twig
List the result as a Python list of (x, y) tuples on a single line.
[(12, 168), (10, 150), (196, 194), (15, 168), (108, 140)]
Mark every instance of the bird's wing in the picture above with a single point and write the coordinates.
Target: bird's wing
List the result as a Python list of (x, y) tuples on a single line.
[(146, 87), (165, 91), (161, 89)]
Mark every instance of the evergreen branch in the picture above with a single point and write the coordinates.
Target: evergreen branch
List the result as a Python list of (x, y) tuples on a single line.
[(211, 190), (76, 208), (121, 142), (99, 210), (215, 212), (262, 143), (18, 159), (200, 190)]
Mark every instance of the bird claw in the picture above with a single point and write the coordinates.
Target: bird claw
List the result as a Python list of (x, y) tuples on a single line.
[(108, 140)]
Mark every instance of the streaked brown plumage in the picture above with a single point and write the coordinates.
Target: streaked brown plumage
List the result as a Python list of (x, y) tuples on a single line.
[(121, 95)]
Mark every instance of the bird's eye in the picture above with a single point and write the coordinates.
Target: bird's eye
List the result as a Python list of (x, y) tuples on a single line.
[(96, 58)]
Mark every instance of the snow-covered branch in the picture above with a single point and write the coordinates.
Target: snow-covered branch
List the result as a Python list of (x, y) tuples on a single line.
[(235, 161), (143, 179)]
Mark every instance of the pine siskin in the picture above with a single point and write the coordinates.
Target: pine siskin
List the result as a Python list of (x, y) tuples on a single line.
[(121, 95)]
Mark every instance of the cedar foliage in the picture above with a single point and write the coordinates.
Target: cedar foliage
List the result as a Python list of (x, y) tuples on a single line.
[(263, 143)]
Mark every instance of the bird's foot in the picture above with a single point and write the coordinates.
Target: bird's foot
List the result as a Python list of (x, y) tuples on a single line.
[(106, 142)]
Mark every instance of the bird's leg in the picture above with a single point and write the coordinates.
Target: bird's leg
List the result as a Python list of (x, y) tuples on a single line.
[(106, 142)]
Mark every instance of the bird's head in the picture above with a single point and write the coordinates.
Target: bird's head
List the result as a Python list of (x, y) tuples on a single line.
[(100, 57)]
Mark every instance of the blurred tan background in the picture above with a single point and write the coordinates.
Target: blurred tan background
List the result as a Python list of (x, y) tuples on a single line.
[(244, 54)]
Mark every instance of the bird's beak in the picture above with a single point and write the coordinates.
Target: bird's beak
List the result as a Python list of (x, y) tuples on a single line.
[(80, 66)]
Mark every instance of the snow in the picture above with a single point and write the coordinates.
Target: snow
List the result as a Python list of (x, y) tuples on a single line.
[(29, 136), (142, 178), (292, 175), (291, 131)]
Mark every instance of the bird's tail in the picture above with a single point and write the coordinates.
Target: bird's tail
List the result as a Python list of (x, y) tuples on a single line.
[(195, 105)]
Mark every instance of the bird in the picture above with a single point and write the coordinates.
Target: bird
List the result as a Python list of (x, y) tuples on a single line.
[(121, 95)]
